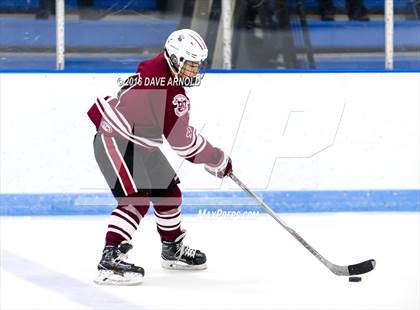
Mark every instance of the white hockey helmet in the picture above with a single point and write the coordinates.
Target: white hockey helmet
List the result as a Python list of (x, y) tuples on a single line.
[(185, 45)]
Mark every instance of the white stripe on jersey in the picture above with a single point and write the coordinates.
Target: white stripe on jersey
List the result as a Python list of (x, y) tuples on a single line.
[(127, 124), (183, 148), (158, 140), (192, 149), (131, 86), (110, 116), (203, 145), (114, 127)]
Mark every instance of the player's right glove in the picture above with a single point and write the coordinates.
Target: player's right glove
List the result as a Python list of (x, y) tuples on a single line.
[(222, 168)]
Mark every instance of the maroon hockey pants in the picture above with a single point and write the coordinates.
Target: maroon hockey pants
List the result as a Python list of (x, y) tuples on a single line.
[(138, 177)]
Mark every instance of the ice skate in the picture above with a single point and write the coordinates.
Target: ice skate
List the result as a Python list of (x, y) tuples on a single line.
[(178, 256), (113, 270)]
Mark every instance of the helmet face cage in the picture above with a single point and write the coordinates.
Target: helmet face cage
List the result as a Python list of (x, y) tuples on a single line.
[(193, 70), (189, 72)]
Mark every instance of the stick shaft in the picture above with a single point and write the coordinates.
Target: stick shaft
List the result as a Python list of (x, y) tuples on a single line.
[(302, 241)]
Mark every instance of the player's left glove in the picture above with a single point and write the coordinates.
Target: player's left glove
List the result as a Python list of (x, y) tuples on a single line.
[(222, 168)]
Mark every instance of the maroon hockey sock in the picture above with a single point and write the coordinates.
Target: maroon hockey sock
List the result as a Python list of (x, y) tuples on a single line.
[(168, 214), (126, 218)]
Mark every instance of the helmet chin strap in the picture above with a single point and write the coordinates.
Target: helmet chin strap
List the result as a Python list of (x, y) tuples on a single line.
[(175, 71)]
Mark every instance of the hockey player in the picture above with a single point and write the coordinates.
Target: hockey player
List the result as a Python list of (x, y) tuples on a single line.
[(130, 128)]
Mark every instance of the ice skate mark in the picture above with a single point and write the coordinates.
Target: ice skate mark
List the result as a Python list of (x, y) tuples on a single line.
[(288, 118), (73, 289)]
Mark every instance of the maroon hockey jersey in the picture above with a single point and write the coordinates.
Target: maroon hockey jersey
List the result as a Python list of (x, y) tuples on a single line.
[(152, 105)]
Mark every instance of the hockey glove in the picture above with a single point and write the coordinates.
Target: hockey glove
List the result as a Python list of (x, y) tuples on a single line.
[(222, 169)]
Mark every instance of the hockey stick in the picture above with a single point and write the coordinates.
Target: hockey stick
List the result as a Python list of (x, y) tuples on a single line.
[(349, 270)]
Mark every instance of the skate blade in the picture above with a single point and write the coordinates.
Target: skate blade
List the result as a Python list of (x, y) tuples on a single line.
[(108, 277), (177, 265)]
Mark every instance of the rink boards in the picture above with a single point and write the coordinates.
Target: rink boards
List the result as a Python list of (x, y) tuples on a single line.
[(307, 142)]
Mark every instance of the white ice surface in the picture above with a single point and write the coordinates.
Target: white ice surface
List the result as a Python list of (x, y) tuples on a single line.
[(50, 262)]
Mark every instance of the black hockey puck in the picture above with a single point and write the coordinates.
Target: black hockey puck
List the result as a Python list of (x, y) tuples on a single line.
[(355, 279)]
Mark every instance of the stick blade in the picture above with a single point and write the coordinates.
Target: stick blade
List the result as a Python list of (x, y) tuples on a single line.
[(362, 268)]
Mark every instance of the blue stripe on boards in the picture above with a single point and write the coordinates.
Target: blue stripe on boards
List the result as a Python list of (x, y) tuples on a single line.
[(193, 202)]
